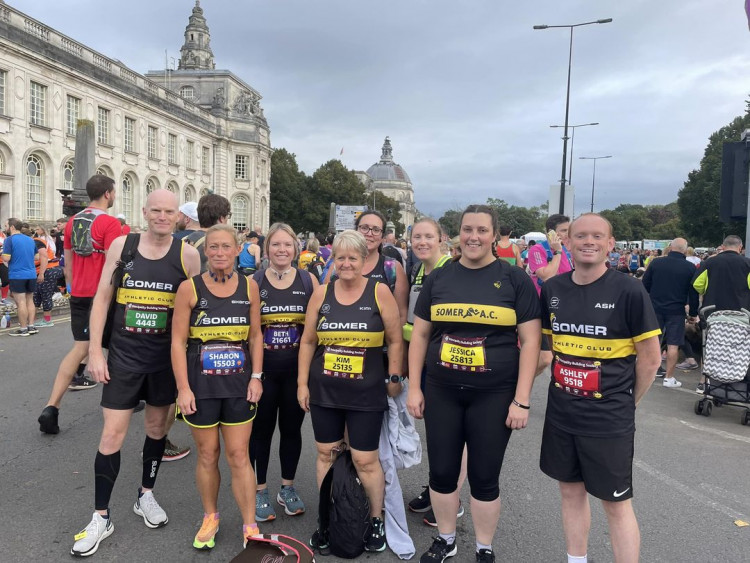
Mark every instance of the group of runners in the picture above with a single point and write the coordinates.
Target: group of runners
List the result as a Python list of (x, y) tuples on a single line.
[(239, 354)]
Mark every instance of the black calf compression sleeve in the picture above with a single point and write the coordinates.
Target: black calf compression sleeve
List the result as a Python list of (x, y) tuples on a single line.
[(106, 468), (153, 450)]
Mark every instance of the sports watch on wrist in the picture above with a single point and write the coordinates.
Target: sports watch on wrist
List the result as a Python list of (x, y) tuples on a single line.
[(259, 376), (394, 378), (556, 252)]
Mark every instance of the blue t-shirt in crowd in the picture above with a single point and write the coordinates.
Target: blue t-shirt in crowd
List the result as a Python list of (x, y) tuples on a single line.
[(22, 250)]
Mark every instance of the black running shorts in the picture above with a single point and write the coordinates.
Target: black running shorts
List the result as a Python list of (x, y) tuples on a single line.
[(363, 427), (80, 309), (125, 389), (209, 413), (604, 465)]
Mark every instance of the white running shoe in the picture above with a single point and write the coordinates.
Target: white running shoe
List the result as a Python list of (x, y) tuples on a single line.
[(147, 507), (671, 382), (88, 539)]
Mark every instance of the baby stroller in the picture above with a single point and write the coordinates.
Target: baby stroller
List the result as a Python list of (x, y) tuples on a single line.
[(726, 358)]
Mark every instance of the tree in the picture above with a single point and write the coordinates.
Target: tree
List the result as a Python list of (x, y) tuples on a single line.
[(521, 220), (451, 222), (288, 188), (698, 199), (620, 226), (331, 183)]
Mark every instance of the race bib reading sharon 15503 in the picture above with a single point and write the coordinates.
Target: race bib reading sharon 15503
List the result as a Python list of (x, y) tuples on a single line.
[(222, 359), (463, 354), (578, 377)]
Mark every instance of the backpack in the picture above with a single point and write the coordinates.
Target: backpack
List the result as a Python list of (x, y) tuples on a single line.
[(327, 267), (274, 548), (389, 265), (634, 263), (317, 267), (344, 509), (80, 235), (306, 278), (127, 255), (196, 239)]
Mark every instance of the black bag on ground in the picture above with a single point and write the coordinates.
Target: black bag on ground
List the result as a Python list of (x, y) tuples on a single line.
[(344, 509), (128, 253)]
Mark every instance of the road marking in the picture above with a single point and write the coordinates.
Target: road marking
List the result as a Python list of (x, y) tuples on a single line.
[(719, 492), (721, 433), (689, 492)]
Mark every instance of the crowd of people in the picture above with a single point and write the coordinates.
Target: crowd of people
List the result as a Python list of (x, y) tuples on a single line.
[(238, 333)]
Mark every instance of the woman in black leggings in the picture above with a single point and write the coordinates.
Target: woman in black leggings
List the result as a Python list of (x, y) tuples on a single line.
[(285, 292), (470, 316)]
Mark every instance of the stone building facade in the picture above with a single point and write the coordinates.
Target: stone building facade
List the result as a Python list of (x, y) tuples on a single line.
[(193, 130)]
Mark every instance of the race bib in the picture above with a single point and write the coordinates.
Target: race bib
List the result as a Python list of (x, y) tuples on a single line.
[(222, 359), (344, 361), (146, 319), (578, 377), (463, 354), (281, 336)]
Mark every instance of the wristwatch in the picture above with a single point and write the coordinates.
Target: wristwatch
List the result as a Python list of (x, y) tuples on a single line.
[(259, 376), (394, 378), (556, 252)]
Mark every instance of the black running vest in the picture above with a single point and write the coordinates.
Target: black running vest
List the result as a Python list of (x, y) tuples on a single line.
[(141, 336)]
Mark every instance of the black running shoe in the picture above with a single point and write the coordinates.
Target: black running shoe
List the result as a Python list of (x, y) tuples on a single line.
[(439, 551), (430, 519), (376, 540), (422, 502), (485, 556), (319, 542), (48, 420), (81, 383)]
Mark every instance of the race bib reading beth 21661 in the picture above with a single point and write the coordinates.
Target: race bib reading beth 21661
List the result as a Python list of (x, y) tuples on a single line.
[(463, 354), (578, 377), (344, 361), (281, 336)]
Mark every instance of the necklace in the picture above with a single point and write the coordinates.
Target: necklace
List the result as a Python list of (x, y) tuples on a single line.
[(224, 277), (279, 275)]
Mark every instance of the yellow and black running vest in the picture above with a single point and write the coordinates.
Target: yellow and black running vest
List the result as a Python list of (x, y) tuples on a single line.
[(218, 357), (347, 370), (141, 333)]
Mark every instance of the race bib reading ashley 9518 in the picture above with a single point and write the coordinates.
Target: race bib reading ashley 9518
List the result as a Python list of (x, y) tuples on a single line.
[(578, 377)]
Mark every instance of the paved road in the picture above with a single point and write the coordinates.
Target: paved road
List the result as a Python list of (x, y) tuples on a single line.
[(691, 480)]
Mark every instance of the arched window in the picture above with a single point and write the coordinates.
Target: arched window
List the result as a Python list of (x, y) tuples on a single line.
[(104, 171), (127, 196), (239, 212), (2, 163), (34, 187), (187, 92), (150, 185), (68, 171), (172, 187), (189, 194), (205, 191)]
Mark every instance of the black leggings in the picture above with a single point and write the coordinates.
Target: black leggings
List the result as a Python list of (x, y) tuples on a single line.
[(279, 395), (455, 416), (46, 289)]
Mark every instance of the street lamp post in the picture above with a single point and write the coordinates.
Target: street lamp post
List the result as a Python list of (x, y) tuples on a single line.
[(572, 142), (593, 178), (567, 101)]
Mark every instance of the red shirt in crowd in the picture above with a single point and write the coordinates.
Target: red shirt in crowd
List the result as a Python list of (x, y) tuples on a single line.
[(88, 269)]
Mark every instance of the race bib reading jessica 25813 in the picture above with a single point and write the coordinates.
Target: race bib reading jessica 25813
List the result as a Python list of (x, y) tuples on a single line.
[(463, 354), (344, 361)]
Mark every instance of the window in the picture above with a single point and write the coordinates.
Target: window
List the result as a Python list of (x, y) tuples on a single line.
[(240, 166), (263, 168), (172, 187), (152, 148), (34, 187), (104, 171), (102, 127), (2, 163), (150, 186), (205, 157), (239, 212), (68, 171), (172, 149), (37, 104), (127, 196), (129, 134), (190, 155), (187, 92), (73, 115), (189, 194), (3, 78)]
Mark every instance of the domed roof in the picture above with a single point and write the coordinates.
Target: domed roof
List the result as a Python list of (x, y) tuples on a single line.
[(386, 169)]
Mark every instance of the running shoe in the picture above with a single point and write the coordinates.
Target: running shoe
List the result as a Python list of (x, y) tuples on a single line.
[(249, 531), (485, 556), (264, 511), (32, 329), (205, 538), (319, 542), (173, 452), (671, 382), (376, 540), (147, 507), (88, 539), (19, 332), (661, 372), (421, 503), (430, 520), (439, 551), (48, 420), (139, 407), (686, 366), (701, 389), (288, 498), (81, 383), (43, 323)]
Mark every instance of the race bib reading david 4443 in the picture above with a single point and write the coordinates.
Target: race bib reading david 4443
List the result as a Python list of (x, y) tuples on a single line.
[(344, 361), (222, 359), (578, 377), (146, 319), (463, 354)]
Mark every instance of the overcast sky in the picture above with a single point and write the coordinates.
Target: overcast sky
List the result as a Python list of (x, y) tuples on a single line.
[(466, 89)]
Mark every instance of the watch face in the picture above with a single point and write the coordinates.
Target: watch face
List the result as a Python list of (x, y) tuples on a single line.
[(395, 379)]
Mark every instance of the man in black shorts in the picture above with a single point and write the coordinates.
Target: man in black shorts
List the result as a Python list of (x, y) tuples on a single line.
[(139, 365), (605, 340)]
